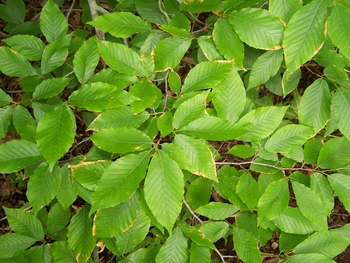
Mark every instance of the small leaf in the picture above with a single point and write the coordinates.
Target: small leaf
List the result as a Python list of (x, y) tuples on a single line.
[(5, 99), (284, 9), (14, 64), (196, 235), (341, 106), (164, 123), (312, 257), (50, 87), (13, 243), (53, 24), (61, 252), (199, 254), (248, 190), (335, 153), (258, 28), (128, 24), (199, 192), (198, 6), (24, 123), (341, 186), (174, 82), (121, 140), (208, 48), (30, 47), (67, 193), (217, 211), (5, 119), (57, 219), (164, 182), (246, 246), (323, 190)]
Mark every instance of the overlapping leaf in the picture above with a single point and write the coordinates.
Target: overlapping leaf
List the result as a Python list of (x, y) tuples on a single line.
[(246, 246), (14, 64), (50, 87), (341, 104), (321, 187), (217, 211), (284, 9), (341, 186), (198, 6), (5, 119), (13, 243), (208, 48), (30, 47), (5, 99), (335, 153), (248, 190)]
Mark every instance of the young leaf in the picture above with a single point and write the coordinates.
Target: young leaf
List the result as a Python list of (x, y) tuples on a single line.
[(14, 64), (246, 246), (5, 99), (43, 185), (55, 54), (174, 82), (120, 180), (315, 105), (199, 254), (340, 104), (122, 140), (248, 190), (164, 189), (30, 47), (304, 34), (85, 60), (174, 249), (100, 96), (230, 89), (79, 235), (55, 133), (17, 154), (335, 153), (53, 24), (217, 211), (199, 154), (123, 60), (50, 87), (169, 52), (265, 66), (341, 186), (284, 9), (206, 75), (288, 138), (308, 202), (224, 33), (24, 223), (13, 243), (5, 119), (258, 28)]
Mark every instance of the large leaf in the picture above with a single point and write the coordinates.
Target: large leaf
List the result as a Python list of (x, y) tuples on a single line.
[(12, 243), (206, 74), (17, 154), (50, 87), (100, 96), (55, 133), (199, 254), (14, 64), (61, 252), (288, 138), (169, 52), (339, 28), (304, 34), (315, 105), (85, 60), (43, 185), (246, 246), (258, 28), (335, 153), (320, 185), (341, 186), (164, 189), (284, 9), (230, 89), (150, 11), (121, 58), (30, 47), (341, 104), (224, 33), (199, 155), (122, 140), (174, 249), (308, 202), (120, 180), (248, 190), (79, 235), (53, 24)]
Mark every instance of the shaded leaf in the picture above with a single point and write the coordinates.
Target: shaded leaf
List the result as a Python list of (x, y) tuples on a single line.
[(50, 87), (13, 243), (341, 106), (335, 153), (246, 246), (341, 186)]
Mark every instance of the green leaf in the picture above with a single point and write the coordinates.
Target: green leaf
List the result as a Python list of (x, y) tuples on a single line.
[(289, 241), (341, 104), (208, 48), (315, 105), (304, 34), (246, 246), (50, 87), (79, 235), (215, 230), (61, 252), (325, 242), (264, 67), (30, 47), (174, 82), (107, 224), (13, 12), (288, 138), (5, 99), (17, 154), (260, 123), (13, 243), (67, 194), (58, 218), (198, 6), (174, 249), (274, 201), (322, 188), (248, 190), (217, 211), (284, 9), (55, 133), (258, 28), (43, 185), (179, 155), (224, 33), (199, 155), (164, 189), (289, 83), (164, 123), (53, 24), (123, 60), (5, 119), (335, 153), (24, 223), (54, 55), (311, 150), (121, 140), (197, 236), (112, 77), (150, 11), (339, 29), (14, 64), (312, 257), (242, 151), (169, 52), (308, 202), (100, 96), (143, 254), (128, 24), (199, 254), (230, 89), (24, 123), (85, 60), (120, 180), (199, 192), (341, 186), (206, 74)]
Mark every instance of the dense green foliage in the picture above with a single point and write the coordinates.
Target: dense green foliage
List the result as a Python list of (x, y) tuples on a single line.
[(162, 84)]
